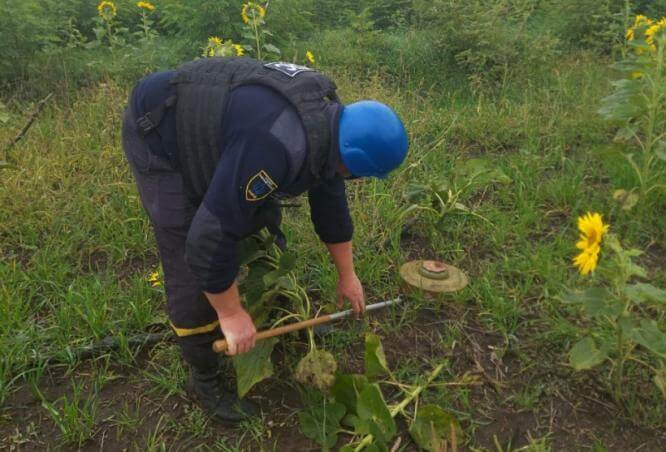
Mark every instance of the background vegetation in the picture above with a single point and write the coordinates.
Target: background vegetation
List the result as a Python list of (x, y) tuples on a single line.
[(517, 83)]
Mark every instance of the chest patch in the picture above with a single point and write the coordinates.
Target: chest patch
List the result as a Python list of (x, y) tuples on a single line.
[(259, 186), (290, 69)]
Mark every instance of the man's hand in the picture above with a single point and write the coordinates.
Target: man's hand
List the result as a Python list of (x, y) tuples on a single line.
[(350, 288), (239, 332), (236, 324)]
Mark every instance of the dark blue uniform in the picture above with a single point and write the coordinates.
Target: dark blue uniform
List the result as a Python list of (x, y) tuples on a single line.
[(263, 141)]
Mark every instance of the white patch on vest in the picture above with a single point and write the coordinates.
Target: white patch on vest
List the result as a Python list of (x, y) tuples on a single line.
[(290, 69)]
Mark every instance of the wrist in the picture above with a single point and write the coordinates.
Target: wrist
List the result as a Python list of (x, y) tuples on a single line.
[(227, 303), (228, 310), (347, 274)]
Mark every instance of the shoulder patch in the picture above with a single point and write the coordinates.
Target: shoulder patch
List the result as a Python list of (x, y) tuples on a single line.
[(289, 69), (259, 186)]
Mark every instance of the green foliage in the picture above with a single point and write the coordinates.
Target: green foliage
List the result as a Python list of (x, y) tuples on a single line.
[(4, 114), (616, 311), (360, 404), (498, 45), (23, 27), (585, 355), (74, 418), (197, 19), (374, 417), (433, 427), (443, 196), (375, 360), (254, 366), (320, 421), (591, 24)]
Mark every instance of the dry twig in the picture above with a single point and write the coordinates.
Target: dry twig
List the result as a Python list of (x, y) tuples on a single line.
[(40, 106)]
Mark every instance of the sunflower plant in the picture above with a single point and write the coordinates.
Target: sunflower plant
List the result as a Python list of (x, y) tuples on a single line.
[(146, 31), (638, 105), (271, 276), (106, 28), (622, 314), (256, 34), (355, 404), (217, 47), (444, 196)]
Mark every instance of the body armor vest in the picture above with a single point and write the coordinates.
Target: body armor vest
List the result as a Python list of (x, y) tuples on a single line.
[(203, 88)]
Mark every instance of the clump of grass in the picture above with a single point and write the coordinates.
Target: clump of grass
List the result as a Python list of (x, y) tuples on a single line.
[(74, 416)]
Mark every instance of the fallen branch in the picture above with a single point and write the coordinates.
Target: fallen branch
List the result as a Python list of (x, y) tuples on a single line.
[(31, 119)]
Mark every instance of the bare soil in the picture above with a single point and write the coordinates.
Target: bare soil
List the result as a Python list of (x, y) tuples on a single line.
[(573, 415)]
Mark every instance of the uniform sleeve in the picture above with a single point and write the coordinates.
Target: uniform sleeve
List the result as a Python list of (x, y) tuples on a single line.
[(247, 173), (329, 211)]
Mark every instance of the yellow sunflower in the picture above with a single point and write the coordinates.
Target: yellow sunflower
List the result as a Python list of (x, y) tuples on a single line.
[(106, 10), (587, 260), (310, 57), (217, 47), (653, 30), (214, 41), (251, 12), (639, 21), (146, 5), (592, 230)]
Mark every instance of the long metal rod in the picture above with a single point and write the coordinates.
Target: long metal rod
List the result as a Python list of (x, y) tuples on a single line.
[(370, 307), (220, 346)]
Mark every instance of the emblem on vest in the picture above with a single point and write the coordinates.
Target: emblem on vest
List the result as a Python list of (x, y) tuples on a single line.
[(290, 69), (259, 186)]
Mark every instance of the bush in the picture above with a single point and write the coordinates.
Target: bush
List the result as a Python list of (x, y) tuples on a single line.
[(22, 28), (593, 24), (490, 40)]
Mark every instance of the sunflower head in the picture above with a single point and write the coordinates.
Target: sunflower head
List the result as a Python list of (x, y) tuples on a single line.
[(253, 14), (592, 230), (106, 10), (214, 41), (655, 30), (146, 5), (587, 260), (217, 47), (638, 28)]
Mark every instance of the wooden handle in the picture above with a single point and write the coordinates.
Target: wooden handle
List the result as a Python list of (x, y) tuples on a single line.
[(220, 345)]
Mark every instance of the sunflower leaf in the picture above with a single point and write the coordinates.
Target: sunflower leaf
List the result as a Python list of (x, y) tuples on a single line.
[(585, 355), (433, 427)]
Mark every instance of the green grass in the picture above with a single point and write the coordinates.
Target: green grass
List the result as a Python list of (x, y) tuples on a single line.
[(77, 249)]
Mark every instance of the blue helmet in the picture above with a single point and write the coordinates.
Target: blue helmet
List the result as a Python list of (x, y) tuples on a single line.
[(372, 139)]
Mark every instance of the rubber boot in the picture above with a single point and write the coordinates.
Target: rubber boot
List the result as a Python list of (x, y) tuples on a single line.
[(205, 385), (224, 406)]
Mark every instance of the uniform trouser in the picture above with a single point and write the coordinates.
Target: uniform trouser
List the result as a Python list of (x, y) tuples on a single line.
[(171, 212)]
